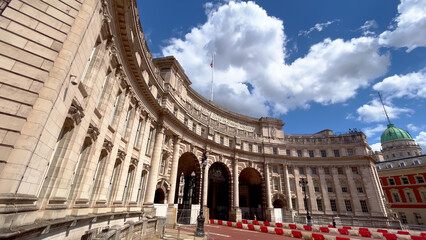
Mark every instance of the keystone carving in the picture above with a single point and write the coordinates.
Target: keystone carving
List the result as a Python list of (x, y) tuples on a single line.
[(121, 154), (75, 113), (134, 161), (93, 132), (108, 145)]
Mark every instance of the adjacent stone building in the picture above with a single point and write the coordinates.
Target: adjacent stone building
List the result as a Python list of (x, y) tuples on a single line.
[(94, 132), (402, 172)]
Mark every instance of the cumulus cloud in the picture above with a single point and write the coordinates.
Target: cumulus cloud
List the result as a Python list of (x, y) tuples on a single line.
[(410, 24), (373, 112), (421, 140), (412, 85), (319, 27), (412, 127), (250, 51), (376, 147), (371, 131)]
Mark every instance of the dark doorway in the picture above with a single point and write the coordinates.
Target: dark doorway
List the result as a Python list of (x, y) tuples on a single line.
[(278, 203), (159, 196), (218, 193), (250, 188)]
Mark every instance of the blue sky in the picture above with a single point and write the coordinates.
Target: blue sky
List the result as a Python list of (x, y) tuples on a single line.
[(314, 64)]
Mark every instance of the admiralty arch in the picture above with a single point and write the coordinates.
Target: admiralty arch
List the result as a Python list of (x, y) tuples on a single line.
[(95, 132)]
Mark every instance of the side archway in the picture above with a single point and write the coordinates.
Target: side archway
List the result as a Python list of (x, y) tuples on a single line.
[(251, 197), (219, 191)]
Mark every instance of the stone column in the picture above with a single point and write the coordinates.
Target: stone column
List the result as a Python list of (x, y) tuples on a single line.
[(311, 192), (236, 209), (153, 174), (341, 208), (173, 172), (269, 208), (288, 192), (374, 204), (324, 191), (354, 192)]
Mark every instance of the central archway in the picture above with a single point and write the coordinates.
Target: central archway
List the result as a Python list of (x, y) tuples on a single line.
[(218, 192), (188, 186), (250, 188)]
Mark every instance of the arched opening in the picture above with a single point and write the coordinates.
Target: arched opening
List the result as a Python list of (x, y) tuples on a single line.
[(218, 192), (250, 188), (159, 196), (188, 186), (278, 203), (279, 206)]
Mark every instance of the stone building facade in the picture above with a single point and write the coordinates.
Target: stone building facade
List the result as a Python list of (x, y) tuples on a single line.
[(92, 127)]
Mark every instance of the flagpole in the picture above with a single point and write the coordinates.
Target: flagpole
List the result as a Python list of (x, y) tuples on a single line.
[(211, 87)]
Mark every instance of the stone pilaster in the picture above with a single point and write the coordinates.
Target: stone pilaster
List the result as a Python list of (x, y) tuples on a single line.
[(236, 211), (338, 190), (324, 191), (353, 191), (269, 208)]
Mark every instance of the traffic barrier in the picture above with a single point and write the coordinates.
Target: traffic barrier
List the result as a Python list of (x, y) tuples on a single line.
[(255, 223), (364, 233), (250, 227), (307, 235), (219, 222), (229, 224), (279, 231), (390, 236), (266, 223), (343, 231), (292, 226), (211, 221), (264, 229), (377, 235), (353, 232), (382, 230), (296, 234), (346, 227), (342, 238), (403, 232), (324, 229), (239, 225), (403, 237), (318, 236), (418, 237), (307, 228), (279, 224), (245, 221)]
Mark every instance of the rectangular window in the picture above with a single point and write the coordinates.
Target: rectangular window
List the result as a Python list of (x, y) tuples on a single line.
[(250, 147), (319, 205), (403, 218), (231, 143), (330, 187), (359, 187), (316, 186), (138, 133), (276, 184), (395, 197), (423, 195), (299, 153), (323, 153), (222, 140), (314, 171), (418, 218), (102, 92), (336, 153), (340, 170), (290, 170), (287, 152), (292, 188), (185, 121), (364, 206), (355, 170), (148, 144), (333, 205), (344, 187), (420, 179), (301, 171), (409, 197), (350, 152), (293, 203), (114, 108), (311, 153), (86, 68), (126, 122), (259, 149), (348, 205), (194, 127), (391, 181), (274, 169), (327, 171), (275, 150), (405, 180)]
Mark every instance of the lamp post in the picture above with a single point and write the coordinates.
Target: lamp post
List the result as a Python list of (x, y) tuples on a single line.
[(304, 183), (200, 219)]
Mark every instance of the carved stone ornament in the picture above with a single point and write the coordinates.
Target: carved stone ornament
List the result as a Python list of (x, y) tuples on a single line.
[(108, 145), (134, 161), (93, 132), (75, 113), (273, 132), (105, 11), (121, 154), (146, 167)]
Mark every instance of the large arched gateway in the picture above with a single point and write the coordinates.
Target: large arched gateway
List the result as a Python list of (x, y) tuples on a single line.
[(250, 188), (218, 200)]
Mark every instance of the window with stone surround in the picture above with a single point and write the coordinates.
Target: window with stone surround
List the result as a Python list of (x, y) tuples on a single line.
[(314, 170), (423, 195), (364, 206), (391, 181), (136, 143), (90, 62), (395, 197), (299, 153), (128, 186), (292, 186), (348, 205), (114, 108), (316, 186), (330, 187), (340, 171), (126, 122), (293, 203), (231, 143), (319, 205), (333, 205), (276, 184), (114, 180), (355, 170), (344, 187), (259, 148), (350, 152), (420, 179), (409, 195), (287, 152), (148, 144), (141, 189), (290, 170), (336, 153), (359, 187), (327, 171), (403, 218), (418, 218), (250, 147), (275, 150), (222, 140), (301, 171), (274, 168), (405, 180), (323, 153), (102, 94), (311, 153)]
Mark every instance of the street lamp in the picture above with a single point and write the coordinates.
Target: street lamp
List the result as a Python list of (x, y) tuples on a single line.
[(304, 183), (200, 219)]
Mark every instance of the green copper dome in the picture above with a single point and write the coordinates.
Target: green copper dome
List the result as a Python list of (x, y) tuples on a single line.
[(394, 133)]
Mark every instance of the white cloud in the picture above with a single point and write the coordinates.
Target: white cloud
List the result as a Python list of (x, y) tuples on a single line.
[(376, 147), (319, 27), (421, 140), (373, 112), (412, 127), (250, 49), (410, 25), (370, 132), (368, 25), (412, 85)]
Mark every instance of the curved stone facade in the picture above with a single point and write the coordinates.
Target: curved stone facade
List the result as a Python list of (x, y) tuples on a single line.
[(92, 127)]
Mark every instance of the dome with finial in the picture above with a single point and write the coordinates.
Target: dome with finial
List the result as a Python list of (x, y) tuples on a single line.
[(394, 133)]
